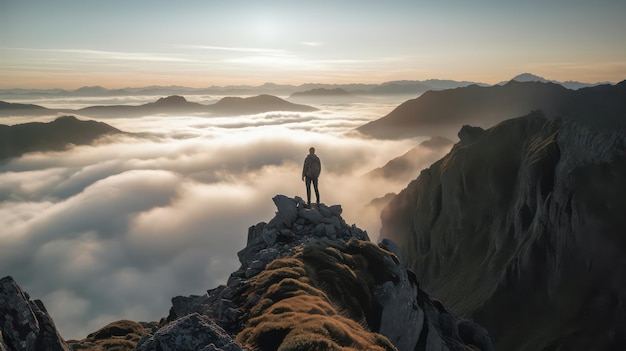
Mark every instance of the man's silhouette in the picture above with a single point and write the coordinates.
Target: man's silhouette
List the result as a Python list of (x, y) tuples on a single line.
[(310, 173)]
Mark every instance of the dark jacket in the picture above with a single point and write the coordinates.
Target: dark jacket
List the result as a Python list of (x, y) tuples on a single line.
[(312, 166)]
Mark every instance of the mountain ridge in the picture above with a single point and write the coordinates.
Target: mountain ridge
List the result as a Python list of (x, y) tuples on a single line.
[(266, 88), (573, 85), (167, 105), (56, 135), (444, 112), (274, 88)]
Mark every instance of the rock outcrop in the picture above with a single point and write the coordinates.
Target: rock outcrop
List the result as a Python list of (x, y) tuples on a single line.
[(309, 281), (24, 324), (521, 227)]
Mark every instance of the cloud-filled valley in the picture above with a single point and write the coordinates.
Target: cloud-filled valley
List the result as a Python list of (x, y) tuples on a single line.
[(114, 230)]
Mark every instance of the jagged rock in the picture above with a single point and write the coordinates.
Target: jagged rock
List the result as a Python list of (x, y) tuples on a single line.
[(269, 237), (287, 210), (286, 291), (193, 332), (468, 133), (525, 222), (25, 324), (311, 214), (184, 305)]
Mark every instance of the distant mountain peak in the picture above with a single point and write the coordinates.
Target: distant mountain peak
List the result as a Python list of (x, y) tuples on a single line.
[(172, 100), (256, 104), (529, 77), (66, 119)]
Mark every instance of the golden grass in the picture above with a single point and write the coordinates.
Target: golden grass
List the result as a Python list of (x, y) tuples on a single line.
[(317, 300)]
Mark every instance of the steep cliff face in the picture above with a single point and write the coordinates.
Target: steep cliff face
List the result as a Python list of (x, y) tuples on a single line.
[(309, 281), (522, 227)]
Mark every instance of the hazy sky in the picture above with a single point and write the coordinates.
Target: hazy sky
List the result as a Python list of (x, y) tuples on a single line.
[(69, 44)]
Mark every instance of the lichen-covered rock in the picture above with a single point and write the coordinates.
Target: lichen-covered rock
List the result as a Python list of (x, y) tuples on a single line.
[(24, 324)]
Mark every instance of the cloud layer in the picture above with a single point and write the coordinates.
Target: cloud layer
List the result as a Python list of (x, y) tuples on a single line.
[(115, 230)]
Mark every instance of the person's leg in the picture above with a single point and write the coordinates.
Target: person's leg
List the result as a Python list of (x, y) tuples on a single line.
[(308, 190), (317, 193)]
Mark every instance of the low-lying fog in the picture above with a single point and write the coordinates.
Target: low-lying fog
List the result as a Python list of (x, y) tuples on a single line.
[(114, 231)]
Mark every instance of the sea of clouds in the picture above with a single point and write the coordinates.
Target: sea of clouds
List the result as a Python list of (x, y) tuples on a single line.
[(115, 230)]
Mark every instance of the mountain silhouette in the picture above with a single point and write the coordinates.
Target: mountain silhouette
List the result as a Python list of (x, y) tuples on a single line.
[(529, 77), (406, 166), (521, 228), (444, 112), (57, 135), (255, 104), (168, 105), (402, 87), (320, 92), (14, 109)]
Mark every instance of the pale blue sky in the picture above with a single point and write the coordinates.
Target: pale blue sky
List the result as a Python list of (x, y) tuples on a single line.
[(116, 44)]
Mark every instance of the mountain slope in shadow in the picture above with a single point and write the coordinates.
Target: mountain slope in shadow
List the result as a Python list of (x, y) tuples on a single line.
[(255, 104), (15, 109), (404, 167), (521, 227), (57, 135), (444, 112)]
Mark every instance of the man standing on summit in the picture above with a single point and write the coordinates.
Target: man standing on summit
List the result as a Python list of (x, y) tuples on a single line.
[(310, 173)]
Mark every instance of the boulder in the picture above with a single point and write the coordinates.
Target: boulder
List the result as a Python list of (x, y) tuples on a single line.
[(25, 324), (193, 332)]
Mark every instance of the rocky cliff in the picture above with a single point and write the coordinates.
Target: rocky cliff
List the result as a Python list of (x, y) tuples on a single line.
[(521, 227), (24, 324), (307, 281)]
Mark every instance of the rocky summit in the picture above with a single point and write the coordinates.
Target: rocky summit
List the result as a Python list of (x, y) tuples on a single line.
[(309, 281)]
